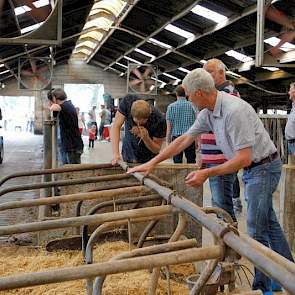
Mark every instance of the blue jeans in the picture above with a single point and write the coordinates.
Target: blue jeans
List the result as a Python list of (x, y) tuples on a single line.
[(291, 148), (262, 224), (222, 191)]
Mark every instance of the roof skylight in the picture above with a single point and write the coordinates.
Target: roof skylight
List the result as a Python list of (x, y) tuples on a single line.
[(132, 59), (184, 70), (144, 53), (6, 71), (121, 65), (161, 44), (1, 65), (239, 56), (209, 14), (170, 76), (179, 31), (273, 41), (41, 3), (21, 9), (31, 28)]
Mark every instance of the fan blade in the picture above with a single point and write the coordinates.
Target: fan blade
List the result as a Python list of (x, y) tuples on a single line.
[(33, 65), (149, 83), (147, 72), (44, 81), (27, 73), (286, 37), (143, 88), (43, 69), (135, 82), (137, 73)]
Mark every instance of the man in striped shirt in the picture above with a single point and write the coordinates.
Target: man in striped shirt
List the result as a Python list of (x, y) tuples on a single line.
[(225, 189), (180, 116)]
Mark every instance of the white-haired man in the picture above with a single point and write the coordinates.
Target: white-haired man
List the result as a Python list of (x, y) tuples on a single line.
[(246, 144)]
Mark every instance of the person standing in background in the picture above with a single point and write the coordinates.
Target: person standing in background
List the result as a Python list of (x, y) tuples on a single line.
[(225, 189), (71, 141), (105, 119), (180, 116), (92, 119), (290, 126), (81, 120)]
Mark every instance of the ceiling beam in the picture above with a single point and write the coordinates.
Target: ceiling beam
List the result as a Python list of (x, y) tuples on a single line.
[(176, 17), (272, 75)]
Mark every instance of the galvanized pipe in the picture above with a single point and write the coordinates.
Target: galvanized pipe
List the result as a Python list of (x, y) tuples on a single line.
[(78, 221), (94, 179), (112, 267), (289, 265), (163, 248), (102, 228), (99, 206), (182, 222), (83, 167), (259, 259), (114, 193)]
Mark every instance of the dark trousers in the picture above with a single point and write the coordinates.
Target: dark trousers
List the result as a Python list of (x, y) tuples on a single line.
[(190, 154), (236, 188), (91, 143), (101, 127)]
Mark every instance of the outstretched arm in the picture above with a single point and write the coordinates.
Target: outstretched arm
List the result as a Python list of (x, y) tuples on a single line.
[(115, 137)]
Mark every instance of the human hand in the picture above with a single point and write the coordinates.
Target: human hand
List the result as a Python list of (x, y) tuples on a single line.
[(55, 107), (145, 168), (116, 159), (196, 178)]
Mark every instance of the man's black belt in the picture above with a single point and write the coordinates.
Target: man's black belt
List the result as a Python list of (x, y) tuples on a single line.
[(263, 161), (291, 140)]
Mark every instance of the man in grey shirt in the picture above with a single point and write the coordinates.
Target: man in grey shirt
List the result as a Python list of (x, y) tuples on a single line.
[(290, 126), (246, 144)]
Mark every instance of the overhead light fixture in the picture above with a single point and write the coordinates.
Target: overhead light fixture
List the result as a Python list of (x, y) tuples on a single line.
[(121, 65), (4, 72), (41, 3), (144, 53), (209, 14), (161, 44), (179, 31), (21, 9), (31, 28), (274, 41), (272, 69), (184, 70), (132, 59), (170, 76), (239, 56), (122, 74), (1, 65)]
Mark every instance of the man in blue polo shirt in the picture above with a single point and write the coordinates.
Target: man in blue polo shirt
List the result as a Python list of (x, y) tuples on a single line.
[(180, 116), (246, 144)]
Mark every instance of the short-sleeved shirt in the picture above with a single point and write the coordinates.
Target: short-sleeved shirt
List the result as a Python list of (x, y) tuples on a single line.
[(134, 149), (69, 131), (236, 126), (211, 153), (290, 126), (182, 116), (105, 117)]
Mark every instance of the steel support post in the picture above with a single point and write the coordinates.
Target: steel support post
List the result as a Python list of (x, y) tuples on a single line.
[(260, 33)]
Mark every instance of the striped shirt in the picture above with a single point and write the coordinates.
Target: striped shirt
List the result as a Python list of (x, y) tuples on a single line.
[(182, 114), (211, 153)]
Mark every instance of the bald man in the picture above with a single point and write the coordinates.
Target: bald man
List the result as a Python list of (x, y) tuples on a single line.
[(225, 189)]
